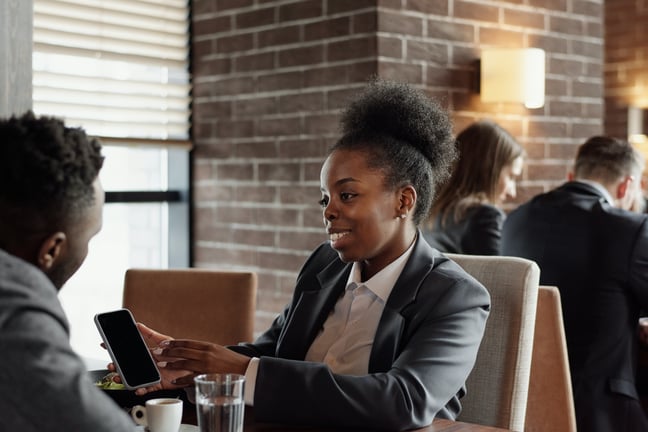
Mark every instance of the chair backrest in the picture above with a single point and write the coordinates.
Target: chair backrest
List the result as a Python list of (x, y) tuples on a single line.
[(550, 406), (203, 304), (498, 385)]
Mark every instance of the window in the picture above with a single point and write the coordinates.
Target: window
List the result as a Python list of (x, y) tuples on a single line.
[(119, 69)]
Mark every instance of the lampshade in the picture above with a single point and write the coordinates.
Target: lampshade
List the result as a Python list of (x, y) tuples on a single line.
[(638, 128), (513, 75)]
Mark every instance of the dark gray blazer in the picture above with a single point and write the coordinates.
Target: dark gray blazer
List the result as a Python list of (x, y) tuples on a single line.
[(44, 385), (597, 256), (425, 347)]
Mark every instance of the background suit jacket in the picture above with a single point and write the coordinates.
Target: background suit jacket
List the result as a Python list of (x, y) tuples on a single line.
[(425, 347), (478, 233), (597, 256)]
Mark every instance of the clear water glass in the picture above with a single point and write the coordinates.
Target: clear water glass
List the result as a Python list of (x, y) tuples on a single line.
[(219, 402)]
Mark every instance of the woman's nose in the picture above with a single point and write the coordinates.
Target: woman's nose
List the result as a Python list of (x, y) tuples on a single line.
[(329, 212)]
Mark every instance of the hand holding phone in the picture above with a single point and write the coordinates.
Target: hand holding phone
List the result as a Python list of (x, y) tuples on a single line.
[(127, 349)]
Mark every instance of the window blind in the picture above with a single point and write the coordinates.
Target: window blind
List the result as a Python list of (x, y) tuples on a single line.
[(118, 68)]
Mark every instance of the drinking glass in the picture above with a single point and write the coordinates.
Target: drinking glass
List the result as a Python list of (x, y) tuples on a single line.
[(219, 402)]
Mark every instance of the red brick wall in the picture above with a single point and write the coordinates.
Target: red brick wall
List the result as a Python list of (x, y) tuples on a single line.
[(270, 78), (626, 66)]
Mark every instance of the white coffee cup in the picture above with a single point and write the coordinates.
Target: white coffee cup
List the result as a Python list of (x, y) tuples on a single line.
[(159, 415)]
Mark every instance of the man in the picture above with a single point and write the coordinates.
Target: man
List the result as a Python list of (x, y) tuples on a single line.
[(50, 206), (595, 251)]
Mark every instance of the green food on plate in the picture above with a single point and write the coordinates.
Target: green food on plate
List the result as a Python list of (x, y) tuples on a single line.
[(107, 383)]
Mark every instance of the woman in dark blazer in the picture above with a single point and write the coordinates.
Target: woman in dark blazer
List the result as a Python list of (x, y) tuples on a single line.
[(403, 357), (465, 217)]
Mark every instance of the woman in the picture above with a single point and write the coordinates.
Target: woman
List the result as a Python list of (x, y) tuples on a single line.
[(382, 330), (465, 216)]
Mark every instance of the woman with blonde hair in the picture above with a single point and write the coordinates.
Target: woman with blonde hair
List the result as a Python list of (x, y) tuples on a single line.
[(466, 216)]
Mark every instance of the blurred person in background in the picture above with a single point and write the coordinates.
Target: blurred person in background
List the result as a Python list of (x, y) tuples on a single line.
[(589, 244), (466, 217)]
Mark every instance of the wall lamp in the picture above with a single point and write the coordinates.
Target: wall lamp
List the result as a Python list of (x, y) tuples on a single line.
[(513, 75), (638, 128)]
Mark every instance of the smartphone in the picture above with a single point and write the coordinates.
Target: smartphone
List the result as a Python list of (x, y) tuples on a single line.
[(127, 349)]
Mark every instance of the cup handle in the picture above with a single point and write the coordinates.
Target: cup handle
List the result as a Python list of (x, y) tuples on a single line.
[(138, 413)]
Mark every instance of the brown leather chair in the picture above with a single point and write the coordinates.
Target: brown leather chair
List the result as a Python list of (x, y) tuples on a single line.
[(202, 304), (550, 404)]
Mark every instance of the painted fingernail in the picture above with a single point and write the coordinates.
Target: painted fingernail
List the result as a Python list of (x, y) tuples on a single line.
[(158, 351), (164, 343), (162, 364)]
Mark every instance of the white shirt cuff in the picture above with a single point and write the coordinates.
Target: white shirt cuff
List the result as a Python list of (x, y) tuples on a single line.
[(250, 380)]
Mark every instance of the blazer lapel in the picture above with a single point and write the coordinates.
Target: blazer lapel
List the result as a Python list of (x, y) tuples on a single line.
[(312, 309), (392, 323)]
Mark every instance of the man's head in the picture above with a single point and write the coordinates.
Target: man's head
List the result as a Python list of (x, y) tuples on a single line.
[(50, 197), (613, 163)]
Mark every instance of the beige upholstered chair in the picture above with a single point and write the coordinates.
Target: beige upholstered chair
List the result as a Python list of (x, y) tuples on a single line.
[(497, 388), (550, 406), (210, 305)]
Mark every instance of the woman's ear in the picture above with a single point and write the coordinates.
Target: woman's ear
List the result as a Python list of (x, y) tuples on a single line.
[(407, 199), (51, 250)]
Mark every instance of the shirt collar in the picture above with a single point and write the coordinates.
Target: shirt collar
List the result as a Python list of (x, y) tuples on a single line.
[(382, 282), (599, 187)]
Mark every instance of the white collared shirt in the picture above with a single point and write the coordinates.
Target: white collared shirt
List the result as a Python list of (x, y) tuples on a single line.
[(346, 339)]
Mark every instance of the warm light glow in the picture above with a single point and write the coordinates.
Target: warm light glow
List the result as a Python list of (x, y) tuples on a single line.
[(639, 140), (637, 128), (513, 75)]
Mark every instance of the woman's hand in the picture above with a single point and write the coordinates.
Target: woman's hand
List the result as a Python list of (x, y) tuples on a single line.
[(198, 357), (153, 339)]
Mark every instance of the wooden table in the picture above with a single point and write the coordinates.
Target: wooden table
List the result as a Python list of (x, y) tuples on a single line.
[(439, 425)]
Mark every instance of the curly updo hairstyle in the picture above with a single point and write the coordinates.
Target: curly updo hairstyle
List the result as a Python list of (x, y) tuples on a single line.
[(47, 172), (405, 134)]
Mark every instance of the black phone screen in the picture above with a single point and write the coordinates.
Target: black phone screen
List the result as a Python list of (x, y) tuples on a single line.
[(127, 348)]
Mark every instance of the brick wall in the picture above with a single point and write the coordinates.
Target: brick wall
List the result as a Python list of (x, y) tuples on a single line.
[(626, 67), (270, 78)]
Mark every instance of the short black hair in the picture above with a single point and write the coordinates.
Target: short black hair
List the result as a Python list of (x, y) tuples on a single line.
[(405, 134), (47, 171)]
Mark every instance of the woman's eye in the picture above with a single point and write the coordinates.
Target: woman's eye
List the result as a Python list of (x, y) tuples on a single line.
[(345, 196)]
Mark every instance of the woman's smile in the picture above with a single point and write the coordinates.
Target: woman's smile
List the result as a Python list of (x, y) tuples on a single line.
[(336, 238)]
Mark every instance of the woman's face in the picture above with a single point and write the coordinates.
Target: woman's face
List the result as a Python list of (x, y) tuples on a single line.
[(362, 218), (506, 187)]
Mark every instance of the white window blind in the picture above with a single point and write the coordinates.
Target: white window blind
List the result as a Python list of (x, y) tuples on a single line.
[(118, 68)]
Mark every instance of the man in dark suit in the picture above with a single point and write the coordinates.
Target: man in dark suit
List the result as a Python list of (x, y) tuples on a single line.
[(588, 244)]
